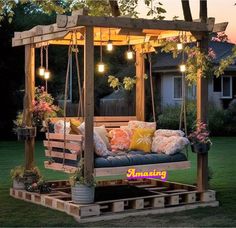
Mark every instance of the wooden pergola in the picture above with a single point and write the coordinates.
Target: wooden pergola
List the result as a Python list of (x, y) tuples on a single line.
[(142, 34)]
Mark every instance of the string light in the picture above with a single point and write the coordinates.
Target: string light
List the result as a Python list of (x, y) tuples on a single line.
[(46, 74), (182, 68), (179, 46), (41, 68), (101, 65), (109, 43), (129, 53)]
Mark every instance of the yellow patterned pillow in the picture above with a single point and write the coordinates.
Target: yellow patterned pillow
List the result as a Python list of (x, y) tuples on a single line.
[(74, 124), (142, 139)]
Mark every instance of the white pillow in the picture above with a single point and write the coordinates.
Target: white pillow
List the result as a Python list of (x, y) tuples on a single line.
[(168, 133), (59, 127), (99, 144), (102, 132)]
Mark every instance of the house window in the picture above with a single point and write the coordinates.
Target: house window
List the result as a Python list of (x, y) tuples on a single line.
[(177, 88), (217, 84), (226, 87)]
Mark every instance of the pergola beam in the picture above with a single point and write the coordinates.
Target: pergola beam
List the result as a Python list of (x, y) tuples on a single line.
[(130, 23)]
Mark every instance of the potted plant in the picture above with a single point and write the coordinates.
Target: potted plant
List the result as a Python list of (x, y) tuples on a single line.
[(22, 177), (200, 141), (17, 175), (82, 190)]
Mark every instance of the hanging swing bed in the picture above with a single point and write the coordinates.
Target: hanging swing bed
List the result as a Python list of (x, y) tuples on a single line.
[(64, 150)]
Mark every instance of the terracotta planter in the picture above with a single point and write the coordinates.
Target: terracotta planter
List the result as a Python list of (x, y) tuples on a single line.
[(200, 148), (26, 133), (82, 194), (18, 184)]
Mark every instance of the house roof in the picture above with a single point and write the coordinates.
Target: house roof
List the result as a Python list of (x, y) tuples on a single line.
[(163, 62)]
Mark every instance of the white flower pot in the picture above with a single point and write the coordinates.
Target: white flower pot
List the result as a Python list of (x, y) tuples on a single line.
[(82, 194), (18, 184)]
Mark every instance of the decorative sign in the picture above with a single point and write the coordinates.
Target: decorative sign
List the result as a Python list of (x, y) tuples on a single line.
[(133, 174)]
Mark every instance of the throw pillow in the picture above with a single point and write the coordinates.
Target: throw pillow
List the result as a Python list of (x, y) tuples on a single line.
[(99, 145), (168, 133), (59, 127), (74, 124), (142, 139), (119, 139), (102, 132)]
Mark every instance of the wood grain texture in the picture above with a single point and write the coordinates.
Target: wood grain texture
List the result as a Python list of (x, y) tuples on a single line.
[(140, 87), (88, 103), (28, 102)]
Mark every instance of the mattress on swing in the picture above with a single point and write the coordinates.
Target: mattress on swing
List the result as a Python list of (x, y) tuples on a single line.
[(129, 159)]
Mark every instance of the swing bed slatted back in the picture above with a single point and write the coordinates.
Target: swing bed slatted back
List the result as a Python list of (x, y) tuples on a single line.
[(55, 143)]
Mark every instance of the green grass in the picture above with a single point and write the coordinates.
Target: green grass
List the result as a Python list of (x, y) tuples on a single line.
[(222, 159)]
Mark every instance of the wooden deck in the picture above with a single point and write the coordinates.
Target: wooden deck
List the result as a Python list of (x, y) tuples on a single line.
[(151, 197)]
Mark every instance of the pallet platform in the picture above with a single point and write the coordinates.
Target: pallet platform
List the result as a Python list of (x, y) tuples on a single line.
[(144, 197)]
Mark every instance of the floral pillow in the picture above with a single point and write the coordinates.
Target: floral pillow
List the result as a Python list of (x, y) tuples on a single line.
[(142, 139), (168, 145), (133, 124), (119, 139), (99, 145), (59, 127), (168, 133)]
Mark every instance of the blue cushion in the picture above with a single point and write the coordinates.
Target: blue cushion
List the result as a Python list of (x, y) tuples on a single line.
[(129, 159)]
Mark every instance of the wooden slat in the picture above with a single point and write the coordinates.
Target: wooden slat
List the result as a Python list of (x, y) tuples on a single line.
[(77, 138), (113, 171), (69, 146), (59, 167), (60, 155)]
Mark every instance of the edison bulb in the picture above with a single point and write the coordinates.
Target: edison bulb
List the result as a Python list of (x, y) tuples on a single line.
[(41, 71), (182, 68), (46, 74), (101, 67), (109, 46), (179, 46), (130, 54)]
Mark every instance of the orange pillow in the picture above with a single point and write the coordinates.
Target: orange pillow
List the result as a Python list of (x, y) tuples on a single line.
[(119, 139), (142, 139)]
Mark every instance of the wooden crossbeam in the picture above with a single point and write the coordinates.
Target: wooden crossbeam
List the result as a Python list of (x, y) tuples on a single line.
[(130, 23)]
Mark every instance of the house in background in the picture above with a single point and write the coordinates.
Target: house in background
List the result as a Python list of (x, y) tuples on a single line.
[(221, 91)]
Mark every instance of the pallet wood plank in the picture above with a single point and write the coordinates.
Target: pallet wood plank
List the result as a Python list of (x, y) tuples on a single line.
[(69, 145), (60, 155), (77, 138), (118, 206)]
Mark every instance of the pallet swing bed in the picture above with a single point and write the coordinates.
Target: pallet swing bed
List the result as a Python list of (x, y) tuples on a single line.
[(146, 196)]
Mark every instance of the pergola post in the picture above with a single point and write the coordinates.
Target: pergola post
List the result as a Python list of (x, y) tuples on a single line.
[(140, 86), (28, 102), (202, 103), (88, 103)]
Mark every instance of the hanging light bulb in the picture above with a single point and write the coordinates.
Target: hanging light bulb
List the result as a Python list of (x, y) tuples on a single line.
[(129, 54), (41, 71), (182, 68), (41, 68), (109, 45), (179, 46), (46, 74), (101, 67)]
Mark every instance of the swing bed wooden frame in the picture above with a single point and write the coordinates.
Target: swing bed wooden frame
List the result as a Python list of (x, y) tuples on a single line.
[(143, 36)]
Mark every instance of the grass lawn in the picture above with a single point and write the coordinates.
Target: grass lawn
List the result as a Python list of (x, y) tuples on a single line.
[(222, 160)]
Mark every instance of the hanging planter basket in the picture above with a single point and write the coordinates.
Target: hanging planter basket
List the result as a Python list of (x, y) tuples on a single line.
[(82, 194), (200, 148), (25, 133)]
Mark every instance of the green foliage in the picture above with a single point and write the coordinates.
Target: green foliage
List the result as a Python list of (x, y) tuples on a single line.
[(17, 173), (78, 176), (127, 84)]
